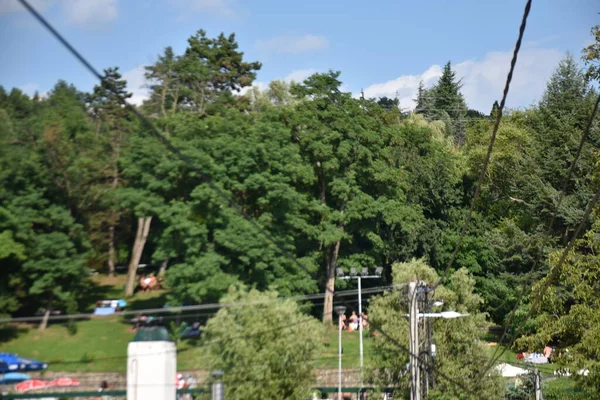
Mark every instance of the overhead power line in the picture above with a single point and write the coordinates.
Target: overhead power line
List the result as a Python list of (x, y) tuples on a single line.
[(232, 203), (165, 141), (486, 162), (211, 306), (584, 137)]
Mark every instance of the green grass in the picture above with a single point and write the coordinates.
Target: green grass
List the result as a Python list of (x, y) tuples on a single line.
[(100, 345), (351, 350)]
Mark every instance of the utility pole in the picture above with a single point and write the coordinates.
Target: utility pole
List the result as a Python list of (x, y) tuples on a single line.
[(413, 318)]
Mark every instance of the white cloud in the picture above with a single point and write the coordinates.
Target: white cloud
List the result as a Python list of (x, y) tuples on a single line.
[(90, 13), (136, 85), (83, 13), (483, 80), (404, 87), (293, 44), (223, 8), (299, 75)]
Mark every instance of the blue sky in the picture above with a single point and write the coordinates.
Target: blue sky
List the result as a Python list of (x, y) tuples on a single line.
[(384, 48)]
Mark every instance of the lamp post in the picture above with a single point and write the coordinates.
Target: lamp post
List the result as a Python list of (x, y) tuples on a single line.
[(364, 274), (218, 389), (340, 310)]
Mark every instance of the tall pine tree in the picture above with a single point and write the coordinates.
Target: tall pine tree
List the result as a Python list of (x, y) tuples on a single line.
[(114, 123), (448, 104)]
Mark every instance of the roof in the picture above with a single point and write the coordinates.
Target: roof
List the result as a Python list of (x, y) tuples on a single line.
[(152, 334)]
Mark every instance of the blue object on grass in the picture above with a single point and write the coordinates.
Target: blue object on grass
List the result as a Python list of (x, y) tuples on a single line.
[(10, 362), (104, 311), (12, 378)]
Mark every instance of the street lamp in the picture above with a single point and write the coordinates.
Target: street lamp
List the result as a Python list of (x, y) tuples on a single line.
[(340, 310), (218, 389), (364, 274)]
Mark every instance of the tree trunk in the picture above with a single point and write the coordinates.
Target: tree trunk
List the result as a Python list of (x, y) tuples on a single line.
[(332, 257), (163, 97), (44, 322), (136, 253), (163, 267), (111, 250), (113, 221)]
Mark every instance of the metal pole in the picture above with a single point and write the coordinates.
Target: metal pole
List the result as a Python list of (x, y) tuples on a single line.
[(430, 352), (415, 392), (427, 334), (340, 357), (360, 328), (538, 389), (218, 388)]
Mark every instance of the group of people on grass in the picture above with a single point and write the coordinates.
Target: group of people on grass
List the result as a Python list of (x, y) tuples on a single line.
[(538, 358), (149, 282), (352, 323)]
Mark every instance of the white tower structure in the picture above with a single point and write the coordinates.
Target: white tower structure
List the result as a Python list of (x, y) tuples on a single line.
[(151, 365)]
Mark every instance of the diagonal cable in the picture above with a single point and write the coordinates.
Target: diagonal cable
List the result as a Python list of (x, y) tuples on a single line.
[(166, 142), (546, 236), (492, 137)]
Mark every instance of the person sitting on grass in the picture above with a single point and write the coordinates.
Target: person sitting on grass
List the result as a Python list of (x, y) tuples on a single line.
[(364, 320), (142, 283), (353, 322)]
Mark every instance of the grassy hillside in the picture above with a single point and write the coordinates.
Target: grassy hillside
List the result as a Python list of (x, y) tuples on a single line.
[(101, 345)]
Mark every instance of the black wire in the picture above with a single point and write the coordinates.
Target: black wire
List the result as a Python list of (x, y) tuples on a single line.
[(163, 139), (546, 236), (492, 138), (228, 198), (555, 270)]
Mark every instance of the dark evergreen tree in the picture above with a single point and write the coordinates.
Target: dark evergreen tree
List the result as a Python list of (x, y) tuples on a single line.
[(448, 104), (495, 108), (114, 123)]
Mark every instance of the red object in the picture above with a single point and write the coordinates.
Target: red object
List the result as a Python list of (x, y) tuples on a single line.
[(31, 384), (63, 382), (520, 356)]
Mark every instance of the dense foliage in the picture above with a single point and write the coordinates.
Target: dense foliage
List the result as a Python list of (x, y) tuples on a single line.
[(265, 348), (337, 181)]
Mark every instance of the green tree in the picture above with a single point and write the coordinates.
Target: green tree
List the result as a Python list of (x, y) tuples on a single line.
[(459, 354), (591, 56), (114, 123), (266, 348), (446, 103), (569, 315), (251, 158), (424, 100), (558, 124), (165, 83), (357, 192), (44, 248), (211, 69)]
